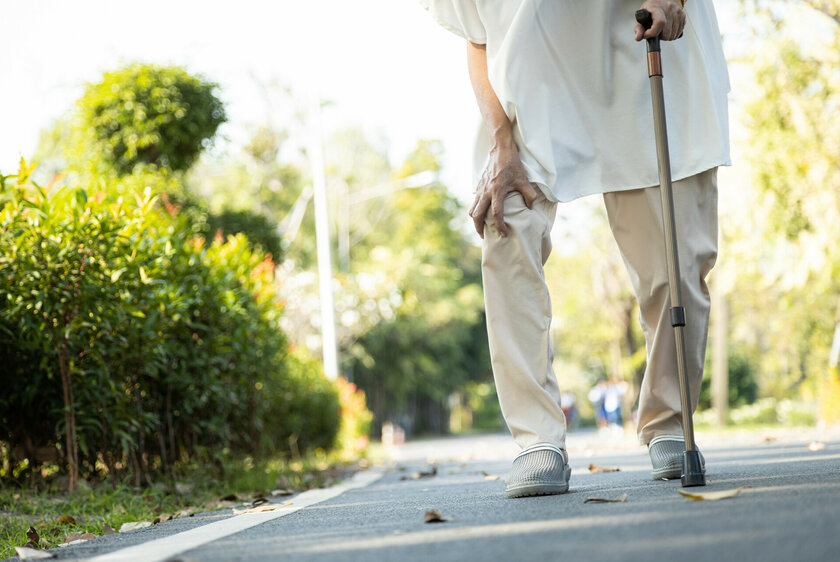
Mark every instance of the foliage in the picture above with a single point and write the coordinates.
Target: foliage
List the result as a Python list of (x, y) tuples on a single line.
[(435, 342), (149, 115), (742, 385), (788, 273), (260, 231), (113, 503), (165, 347), (765, 411), (355, 420)]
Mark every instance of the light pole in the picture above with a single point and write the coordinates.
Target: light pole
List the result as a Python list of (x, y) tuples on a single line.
[(329, 347)]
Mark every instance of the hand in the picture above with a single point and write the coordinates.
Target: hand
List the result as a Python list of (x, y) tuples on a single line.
[(668, 20), (504, 173)]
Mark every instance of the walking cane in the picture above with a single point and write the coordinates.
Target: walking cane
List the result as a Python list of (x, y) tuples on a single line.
[(692, 474)]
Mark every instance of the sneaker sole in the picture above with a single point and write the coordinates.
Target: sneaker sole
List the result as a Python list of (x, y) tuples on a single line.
[(668, 474), (547, 489)]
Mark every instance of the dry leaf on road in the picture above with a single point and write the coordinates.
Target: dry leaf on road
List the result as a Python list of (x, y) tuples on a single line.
[(719, 495), (816, 446), (491, 477), (25, 553), (66, 519), (595, 469), (434, 516), (134, 525), (620, 499), (108, 530), (421, 474), (262, 507)]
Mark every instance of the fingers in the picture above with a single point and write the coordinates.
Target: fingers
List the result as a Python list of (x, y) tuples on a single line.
[(668, 23), (497, 210), (529, 194), (479, 212), (656, 29)]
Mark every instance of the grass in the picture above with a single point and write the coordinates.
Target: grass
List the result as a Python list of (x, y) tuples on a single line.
[(115, 503)]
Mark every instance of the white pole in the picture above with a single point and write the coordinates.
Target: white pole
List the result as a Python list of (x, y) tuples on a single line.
[(322, 240)]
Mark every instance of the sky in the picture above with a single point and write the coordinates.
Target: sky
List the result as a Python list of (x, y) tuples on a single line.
[(384, 65)]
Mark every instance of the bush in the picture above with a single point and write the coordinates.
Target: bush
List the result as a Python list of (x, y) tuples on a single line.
[(355, 420), (130, 345), (150, 115), (742, 385)]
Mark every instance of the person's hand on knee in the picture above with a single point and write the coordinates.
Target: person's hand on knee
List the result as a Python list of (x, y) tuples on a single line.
[(503, 174)]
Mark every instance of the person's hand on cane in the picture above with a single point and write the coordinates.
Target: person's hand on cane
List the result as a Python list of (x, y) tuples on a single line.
[(668, 20)]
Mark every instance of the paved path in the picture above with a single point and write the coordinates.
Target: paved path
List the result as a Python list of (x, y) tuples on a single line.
[(790, 513)]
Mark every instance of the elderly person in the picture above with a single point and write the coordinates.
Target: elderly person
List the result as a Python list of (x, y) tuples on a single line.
[(562, 88)]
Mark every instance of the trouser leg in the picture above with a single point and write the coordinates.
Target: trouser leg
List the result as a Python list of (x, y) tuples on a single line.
[(518, 310), (636, 220)]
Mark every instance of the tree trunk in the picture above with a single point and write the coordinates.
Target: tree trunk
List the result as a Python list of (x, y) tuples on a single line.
[(69, 417)]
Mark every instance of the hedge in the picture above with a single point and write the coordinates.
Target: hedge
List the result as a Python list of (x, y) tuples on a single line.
[(130, 344)]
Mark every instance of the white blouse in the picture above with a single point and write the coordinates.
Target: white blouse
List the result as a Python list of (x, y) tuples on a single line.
[(574, 83)]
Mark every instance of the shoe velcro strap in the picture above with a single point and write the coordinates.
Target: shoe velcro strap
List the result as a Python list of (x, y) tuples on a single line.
[(659, 438), (541, 447)]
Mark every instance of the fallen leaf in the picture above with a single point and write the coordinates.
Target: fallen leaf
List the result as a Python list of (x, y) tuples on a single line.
[(259, 501), (32, 535), (25, 553), (769, 438), (134, 525), (816, 446), (72, 537), (719, 495), (620, 499), (186, 512), (66, 519), (229, 498), (87, 536), (489, 476), (261, 508), (421, 474), (434, 516), (108, 530), (282, 492), (595, 469)]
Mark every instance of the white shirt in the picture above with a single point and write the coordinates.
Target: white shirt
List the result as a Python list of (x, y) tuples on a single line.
[(574, 83)]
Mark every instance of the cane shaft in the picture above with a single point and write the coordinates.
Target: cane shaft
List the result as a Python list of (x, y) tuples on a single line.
[(671, 251)]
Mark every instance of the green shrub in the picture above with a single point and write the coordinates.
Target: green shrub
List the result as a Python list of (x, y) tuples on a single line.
[(131, 345), (260, 230), (150, 115), (742, 385)]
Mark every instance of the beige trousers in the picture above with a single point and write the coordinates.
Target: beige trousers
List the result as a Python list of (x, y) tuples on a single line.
[(519, 309)]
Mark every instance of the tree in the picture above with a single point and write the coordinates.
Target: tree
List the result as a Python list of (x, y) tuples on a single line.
[(149, 115), (788, 278)]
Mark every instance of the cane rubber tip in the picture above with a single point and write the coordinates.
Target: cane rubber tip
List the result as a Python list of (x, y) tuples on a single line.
[(692, 470)]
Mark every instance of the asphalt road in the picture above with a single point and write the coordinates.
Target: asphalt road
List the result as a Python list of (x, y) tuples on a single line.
[(791, 512)]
